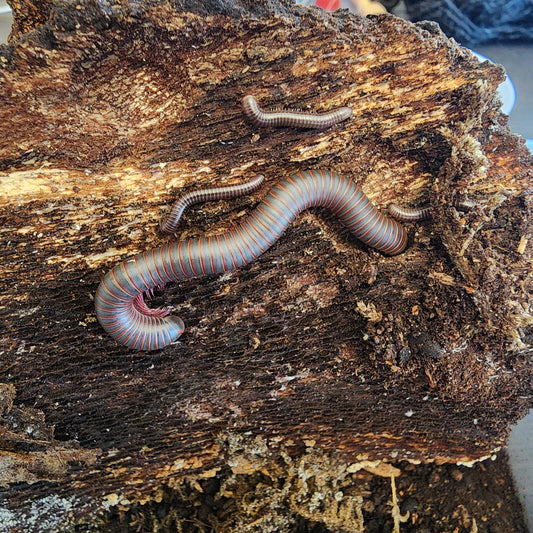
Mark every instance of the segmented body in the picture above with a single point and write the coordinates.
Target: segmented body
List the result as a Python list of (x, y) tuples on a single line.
[(417, 214), (169, 223), (295, 119), (409, 214), (119, 309)]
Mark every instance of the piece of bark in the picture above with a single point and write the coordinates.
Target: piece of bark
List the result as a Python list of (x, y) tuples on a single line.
[(321, 356), (27, 16), (423, 499)]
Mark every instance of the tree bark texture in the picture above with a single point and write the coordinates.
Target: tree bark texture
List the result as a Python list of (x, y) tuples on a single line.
[(322, 358)]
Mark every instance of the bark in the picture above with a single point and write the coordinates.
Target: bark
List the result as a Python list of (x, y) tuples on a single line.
[(319, 360)]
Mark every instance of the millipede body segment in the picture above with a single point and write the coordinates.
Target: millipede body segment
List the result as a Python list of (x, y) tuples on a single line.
[(409, 214), (290, 118), (118, 305), (418, 214)]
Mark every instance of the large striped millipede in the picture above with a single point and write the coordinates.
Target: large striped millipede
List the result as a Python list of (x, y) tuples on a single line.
[(120, 307)]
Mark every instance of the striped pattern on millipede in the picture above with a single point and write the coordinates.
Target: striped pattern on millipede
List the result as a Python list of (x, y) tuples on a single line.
[(418, 214), (292, 118), (409, 214), (169, 223), (119, 304)]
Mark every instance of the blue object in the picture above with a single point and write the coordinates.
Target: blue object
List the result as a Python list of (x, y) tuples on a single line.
[(477, 21), (506, 88)]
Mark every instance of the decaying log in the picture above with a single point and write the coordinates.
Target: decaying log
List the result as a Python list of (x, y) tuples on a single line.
[(318, 363)]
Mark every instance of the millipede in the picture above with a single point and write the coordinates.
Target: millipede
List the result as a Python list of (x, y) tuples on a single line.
[(292, 118), (418, 214), (409, 214), (169, 223), (119, 302)]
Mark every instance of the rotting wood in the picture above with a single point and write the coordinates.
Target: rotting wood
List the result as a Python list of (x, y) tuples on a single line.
[(320, 355)]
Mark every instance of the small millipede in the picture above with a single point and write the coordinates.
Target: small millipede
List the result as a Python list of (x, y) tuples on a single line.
[(119, 303), (417, 214), (409, 214), (291, 118), (169, 223)]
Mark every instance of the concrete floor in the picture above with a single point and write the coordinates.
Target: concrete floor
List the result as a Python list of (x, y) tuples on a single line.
[(517, 58)]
